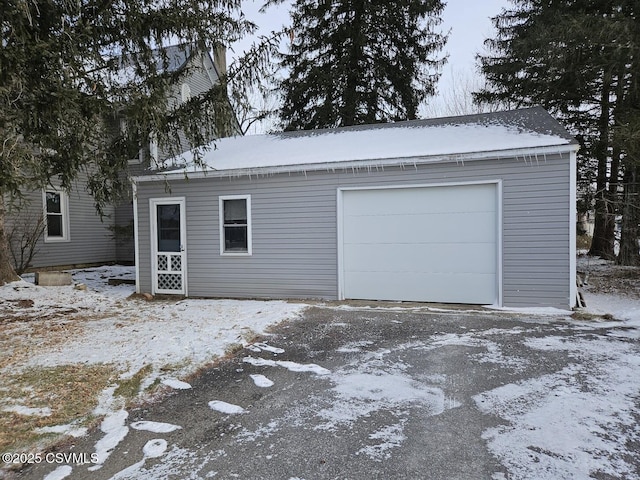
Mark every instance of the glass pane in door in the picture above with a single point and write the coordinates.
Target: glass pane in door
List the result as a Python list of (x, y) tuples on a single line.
[(168, 218)]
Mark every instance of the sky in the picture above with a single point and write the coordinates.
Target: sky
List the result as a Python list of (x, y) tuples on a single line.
[(467, 20)]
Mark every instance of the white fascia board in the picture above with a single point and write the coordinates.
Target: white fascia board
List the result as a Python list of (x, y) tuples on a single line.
[(530, 154)]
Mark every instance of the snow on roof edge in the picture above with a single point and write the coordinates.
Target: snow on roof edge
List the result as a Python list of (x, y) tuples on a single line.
[(528, 154), (498, 134)]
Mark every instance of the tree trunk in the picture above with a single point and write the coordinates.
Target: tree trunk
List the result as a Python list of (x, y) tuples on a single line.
[(629, 246), (7, 273), (602, 242)]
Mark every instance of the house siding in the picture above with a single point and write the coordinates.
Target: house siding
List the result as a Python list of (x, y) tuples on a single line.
[(295, 241), (90, 239)]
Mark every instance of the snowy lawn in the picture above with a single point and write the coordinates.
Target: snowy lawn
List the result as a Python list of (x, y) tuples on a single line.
[(71, 355)]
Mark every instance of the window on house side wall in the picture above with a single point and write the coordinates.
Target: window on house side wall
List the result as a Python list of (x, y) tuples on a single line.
[(185, 92), (56, 209), (235, 225)]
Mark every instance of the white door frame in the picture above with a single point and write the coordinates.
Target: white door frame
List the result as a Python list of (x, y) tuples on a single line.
[(340, 226), (175, 262)]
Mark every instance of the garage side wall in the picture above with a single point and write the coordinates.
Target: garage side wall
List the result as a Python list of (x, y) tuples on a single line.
[(294, 218)]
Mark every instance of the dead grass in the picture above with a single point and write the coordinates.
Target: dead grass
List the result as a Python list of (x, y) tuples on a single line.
[(129, 388), (579, 315), (69, 391), (583, 242), (22, 329)]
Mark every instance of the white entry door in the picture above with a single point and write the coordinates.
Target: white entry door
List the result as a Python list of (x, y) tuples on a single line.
[(168, 246), (427, 244)]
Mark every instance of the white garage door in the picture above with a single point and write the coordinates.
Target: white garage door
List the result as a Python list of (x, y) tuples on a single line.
[(428, 244)]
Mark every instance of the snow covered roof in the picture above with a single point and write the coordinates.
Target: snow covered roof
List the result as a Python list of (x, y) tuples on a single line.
[(510, 133)]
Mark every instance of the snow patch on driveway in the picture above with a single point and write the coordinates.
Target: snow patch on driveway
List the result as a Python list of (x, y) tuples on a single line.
[(156, 427), (261, 381), (571, 423), (360, 393), (292, 366), (224, 407), (176, 384), (115, 430)]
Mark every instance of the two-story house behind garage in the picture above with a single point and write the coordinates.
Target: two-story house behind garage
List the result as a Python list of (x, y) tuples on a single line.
[(72, 233)]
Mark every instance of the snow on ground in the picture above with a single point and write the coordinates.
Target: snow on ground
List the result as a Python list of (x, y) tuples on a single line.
[(99, 324), (133, 333), (610, 289), (292, 366), (576, 422), (571, 423), (261, 381), (566, 424), (114, 428), (176, 384)]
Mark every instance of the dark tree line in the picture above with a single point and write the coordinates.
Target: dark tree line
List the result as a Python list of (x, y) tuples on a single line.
[(580, 59)]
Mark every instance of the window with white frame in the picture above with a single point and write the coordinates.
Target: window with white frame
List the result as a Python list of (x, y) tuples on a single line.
[(56, 211), (235, 225), (185, 92)]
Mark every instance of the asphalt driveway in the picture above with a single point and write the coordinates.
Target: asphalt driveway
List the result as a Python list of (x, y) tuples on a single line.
[(363, 393)]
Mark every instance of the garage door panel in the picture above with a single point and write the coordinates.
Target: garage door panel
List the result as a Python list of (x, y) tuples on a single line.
[(464, 227), (423, 287), (430, 201), (435, 244), (434, 258)]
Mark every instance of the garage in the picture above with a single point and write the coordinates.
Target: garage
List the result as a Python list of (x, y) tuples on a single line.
[(478, 209), (424, 244)]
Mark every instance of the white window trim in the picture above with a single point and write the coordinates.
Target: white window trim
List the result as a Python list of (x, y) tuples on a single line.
[(221, 200), (185, 92), (64, 213)]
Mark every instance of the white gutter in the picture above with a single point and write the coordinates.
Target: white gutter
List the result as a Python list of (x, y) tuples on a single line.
[(531, 155)]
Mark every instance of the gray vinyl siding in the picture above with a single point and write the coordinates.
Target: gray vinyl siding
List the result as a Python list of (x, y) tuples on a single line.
[(90, 240), (295, 228), (124, 244), (199, 82)]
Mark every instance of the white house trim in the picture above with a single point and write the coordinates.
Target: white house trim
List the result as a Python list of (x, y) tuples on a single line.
[(573, 289), (154, 202), (221, 200), (136, 235), (64, 216)]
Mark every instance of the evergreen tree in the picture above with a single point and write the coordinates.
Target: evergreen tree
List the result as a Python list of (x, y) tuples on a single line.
[(572, 57), (69, 70), (359, 61)]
